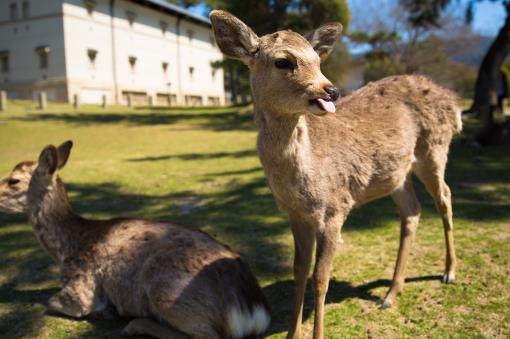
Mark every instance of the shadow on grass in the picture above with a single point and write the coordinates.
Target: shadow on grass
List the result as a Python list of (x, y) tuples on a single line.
[(24, 314), (229, 173), (198, 156), (236, 215), (216, 120), (281, 293)]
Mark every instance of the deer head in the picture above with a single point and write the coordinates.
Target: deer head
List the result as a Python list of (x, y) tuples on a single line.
[(33, 177), (285, 66)]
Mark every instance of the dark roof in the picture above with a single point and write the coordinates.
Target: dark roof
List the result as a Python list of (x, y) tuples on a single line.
[(169, 8)]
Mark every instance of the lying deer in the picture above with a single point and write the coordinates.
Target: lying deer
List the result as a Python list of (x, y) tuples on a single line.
[(320, 164), (176, 282)]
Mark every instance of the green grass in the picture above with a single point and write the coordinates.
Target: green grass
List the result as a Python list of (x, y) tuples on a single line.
[(199, 167)]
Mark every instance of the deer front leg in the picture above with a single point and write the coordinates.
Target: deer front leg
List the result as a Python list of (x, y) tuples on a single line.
[(409, 208), (78, 298), (304, 238), (327, 242)]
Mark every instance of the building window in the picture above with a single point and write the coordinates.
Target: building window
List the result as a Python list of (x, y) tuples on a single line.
[(213, 74), (14, 11), (191, 70), (190, 34), (4, 61), (92, 54), (90, 5), (193, 100), (43, 52), (25, 9), (213, 101), (131, 16), (132, 62), (163, 25), (164, 65)]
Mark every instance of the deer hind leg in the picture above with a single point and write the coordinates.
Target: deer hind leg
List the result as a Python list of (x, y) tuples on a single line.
[(431, 173), (409, 208), (144, 326), (327, 243), (304, 239)]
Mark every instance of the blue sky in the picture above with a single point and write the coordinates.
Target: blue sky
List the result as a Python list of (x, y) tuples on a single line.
[(489, 15)]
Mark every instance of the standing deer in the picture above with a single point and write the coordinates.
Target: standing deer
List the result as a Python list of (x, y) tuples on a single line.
[(176, 282), (320, 164)]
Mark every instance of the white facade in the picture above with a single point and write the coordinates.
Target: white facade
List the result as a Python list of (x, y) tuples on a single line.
[(121, 50)]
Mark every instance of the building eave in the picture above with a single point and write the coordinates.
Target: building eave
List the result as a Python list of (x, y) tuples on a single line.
[(162, 5)]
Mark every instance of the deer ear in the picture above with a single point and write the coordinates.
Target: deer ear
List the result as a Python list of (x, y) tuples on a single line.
[(235, 39), (63, 152), (48, 159), (323, 38)]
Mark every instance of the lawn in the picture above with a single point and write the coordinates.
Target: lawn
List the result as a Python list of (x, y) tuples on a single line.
[(199, 167)]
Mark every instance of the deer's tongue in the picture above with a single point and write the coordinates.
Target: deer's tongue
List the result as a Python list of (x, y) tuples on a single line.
[(328, 106)]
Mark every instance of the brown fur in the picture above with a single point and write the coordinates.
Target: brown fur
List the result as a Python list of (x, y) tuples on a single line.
[(319, 166), (176, 281)]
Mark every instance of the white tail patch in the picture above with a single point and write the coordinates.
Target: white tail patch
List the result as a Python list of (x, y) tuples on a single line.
[(242, 323), (459, 121)]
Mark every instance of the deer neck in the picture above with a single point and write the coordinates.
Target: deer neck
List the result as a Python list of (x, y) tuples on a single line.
[(283, 140), (54, 222)]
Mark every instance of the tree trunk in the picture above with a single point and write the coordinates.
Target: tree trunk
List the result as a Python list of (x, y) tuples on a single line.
[(232, 85), (484, 104)]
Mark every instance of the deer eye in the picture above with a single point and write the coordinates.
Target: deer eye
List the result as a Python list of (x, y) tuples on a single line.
[(12, 182), (283, 64)]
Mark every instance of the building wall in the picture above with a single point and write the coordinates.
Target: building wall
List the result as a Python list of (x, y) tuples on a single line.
[(84, 32), (71, 32), (20, 38), (198, 54), (144, 40)]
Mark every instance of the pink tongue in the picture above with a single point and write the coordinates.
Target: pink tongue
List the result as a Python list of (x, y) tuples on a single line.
[(328, 106)]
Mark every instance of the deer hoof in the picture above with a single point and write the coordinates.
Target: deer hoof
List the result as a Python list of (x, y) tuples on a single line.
[(386, 304), (449, 278)]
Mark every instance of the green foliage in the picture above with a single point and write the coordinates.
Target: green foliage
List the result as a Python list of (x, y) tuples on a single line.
[(307, 15), (464, 79), (430, 59), (336, 66), (382, 58), (267, 16), (376, 40), (424, 13), (378, 68), (390, 55)]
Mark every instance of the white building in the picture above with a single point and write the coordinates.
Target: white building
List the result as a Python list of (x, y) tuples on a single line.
[(141, 49)]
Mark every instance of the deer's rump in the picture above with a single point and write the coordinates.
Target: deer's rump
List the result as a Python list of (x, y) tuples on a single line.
[(178, 276)]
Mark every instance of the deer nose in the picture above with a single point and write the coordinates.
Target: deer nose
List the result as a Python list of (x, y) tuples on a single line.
[(332, 91)]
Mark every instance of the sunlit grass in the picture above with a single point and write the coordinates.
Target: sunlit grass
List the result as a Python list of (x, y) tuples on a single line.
[(199, 167)]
